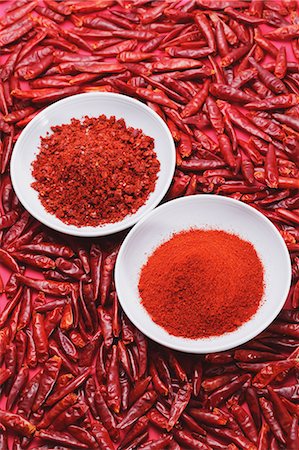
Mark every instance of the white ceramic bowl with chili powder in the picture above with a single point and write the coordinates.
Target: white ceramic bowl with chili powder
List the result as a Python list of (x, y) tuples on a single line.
[(135, 113), (204, 212)]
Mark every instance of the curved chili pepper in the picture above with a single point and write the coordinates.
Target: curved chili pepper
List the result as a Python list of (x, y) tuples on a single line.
[(226, 391), (90, 390), (229, 93), (16, 423), (60, 8), (100, 364), (211, 384), (40, 261), (237, 439), (87, 355), (70, 387), (179, 404), (40, 337), (28, 395), (178, 186), (125, 390), (226, 150), (185, 145), (140, 427), (157, 444), (283, 416), (57, 409), (244, 123), (47, 12), (124, 358), (156, 96), (196, 103), (8, 219), (138, 409), (49, 377), (245, 422), (105, 414), (48, 287), (188, 441), (215, 116), (157, 419), (95, 268), (16, 31), (67, 318), (286, 328), (235, 55), (102, 436), (141, 343), (8, 260), (19, 383), (268, 414), (265, 44), (51, 249), (106, 326), (70, 416), (106, 275), (113, 384), (270, 80), (54, 350), (60, 438), (221, 41), (208, 417), (9, 307), (66, 345), (271, 168), (5, 374), (292, 437), (197, 378), (82, 435)]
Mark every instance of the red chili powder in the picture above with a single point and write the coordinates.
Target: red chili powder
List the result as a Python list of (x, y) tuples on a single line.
[(94, 171), (202, 283)]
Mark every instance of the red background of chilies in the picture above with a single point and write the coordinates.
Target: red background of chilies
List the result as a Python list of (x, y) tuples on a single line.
[(34, 274)]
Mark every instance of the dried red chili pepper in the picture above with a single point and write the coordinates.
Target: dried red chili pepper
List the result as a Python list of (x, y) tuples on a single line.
[(39, 336), (70, 416), (105, 414), (60, 438), (137, 430), (66, 345), (5, 374), (179, 404), (113, 384), (196, 103), (268, 414), (102, 436), (138, 409), (19, 383), (48, 379), (82, 435), (70, 387), (48, 287)]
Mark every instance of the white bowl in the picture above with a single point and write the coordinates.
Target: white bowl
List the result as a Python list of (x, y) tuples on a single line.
[(135, 114), (205, 212)]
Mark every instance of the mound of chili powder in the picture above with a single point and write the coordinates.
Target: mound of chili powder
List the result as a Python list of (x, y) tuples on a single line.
[(202, 283), (95, 171)]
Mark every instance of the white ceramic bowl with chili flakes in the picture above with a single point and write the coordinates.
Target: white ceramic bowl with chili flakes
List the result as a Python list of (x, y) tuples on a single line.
[(204, 212), (135, 114)]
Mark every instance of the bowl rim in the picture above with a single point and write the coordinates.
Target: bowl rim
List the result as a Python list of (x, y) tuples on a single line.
[(182, 347), (102, 230)]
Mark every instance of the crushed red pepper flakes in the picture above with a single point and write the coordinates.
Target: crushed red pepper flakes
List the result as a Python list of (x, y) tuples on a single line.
[(95, 171)]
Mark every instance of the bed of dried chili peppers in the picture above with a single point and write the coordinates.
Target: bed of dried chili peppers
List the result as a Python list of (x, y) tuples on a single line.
[(211, 69)]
